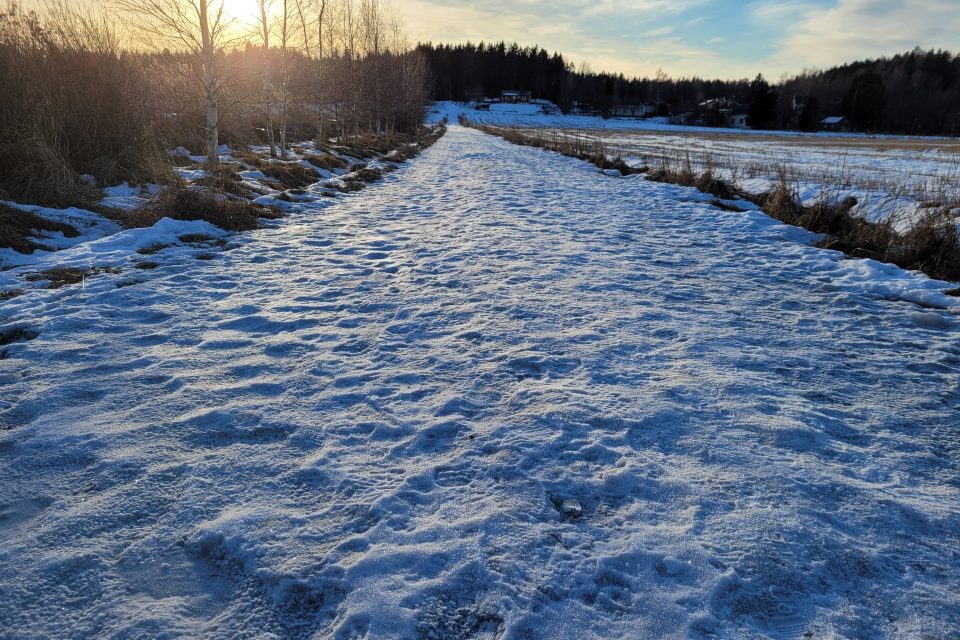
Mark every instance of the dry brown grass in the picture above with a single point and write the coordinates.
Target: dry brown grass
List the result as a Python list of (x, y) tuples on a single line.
[(364, 174), (201, 204), (152, 249), (932, 245), (289, 175), (17, 227), (9, 294), (58, 277), (16, 334), (72, 104), (225, 179), (326, 161)]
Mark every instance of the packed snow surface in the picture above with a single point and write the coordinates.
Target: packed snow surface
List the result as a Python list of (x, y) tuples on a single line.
[(498, 394)]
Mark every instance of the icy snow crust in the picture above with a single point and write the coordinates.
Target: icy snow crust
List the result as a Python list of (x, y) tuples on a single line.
[(373, 421)]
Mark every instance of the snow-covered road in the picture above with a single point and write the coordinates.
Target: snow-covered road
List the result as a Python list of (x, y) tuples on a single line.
[(364, 423)]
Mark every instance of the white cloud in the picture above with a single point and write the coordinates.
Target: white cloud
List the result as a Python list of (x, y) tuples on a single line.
[(857, 29), (626, 36), (638, 36)]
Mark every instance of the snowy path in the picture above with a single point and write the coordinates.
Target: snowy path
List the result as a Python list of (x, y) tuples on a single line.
[(361, 424)]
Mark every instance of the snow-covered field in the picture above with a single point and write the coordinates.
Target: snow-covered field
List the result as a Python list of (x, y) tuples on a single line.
[(890, 176), (497, 395)]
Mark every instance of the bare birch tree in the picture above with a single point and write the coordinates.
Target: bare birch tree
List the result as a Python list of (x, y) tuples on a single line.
[(264, 7), (285, 76), (202, 28)]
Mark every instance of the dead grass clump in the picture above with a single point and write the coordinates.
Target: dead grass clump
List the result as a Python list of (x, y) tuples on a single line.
[(932, 246), (146, 264), (326, 161), (707, 182), (152, 249), (400, 156), (290, 175), (347, 185), (73, 103), (17, 334), (201, 204), (226, 185), (8, 294), (720, 204), (34, 172), (16, 228), (180, 160), (848, 232), (198, 238), (682, 176), (110, 213), (605, 163), (58, 277), (378, 144), (364, 174), (249, 158), (226, 180)]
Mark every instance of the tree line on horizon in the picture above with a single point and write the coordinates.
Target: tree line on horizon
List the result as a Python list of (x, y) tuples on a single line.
[(917, 92)]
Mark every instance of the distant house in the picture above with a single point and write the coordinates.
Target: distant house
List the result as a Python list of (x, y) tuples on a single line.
[(634, 111), (722, 112), (737, 121), (513, 96), (834, 123), (736, 118)]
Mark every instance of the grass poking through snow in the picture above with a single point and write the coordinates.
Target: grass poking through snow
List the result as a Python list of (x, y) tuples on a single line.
[(17, 227), (202, 204)]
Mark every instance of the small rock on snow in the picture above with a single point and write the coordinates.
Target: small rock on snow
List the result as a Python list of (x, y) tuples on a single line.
[(672, 566), (571, 508)]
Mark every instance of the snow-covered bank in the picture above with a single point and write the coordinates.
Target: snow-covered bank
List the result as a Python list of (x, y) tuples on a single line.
[(367, 423), (322, 173)]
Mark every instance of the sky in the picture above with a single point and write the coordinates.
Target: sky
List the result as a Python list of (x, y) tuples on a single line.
[(708, 38)]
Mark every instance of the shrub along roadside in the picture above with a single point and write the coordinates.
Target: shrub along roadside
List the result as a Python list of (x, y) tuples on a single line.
[(932, 245)]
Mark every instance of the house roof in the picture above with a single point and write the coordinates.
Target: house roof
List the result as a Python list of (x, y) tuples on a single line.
[(833, 120)]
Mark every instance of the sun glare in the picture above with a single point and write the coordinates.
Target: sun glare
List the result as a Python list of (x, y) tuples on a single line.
[(243, 13)]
